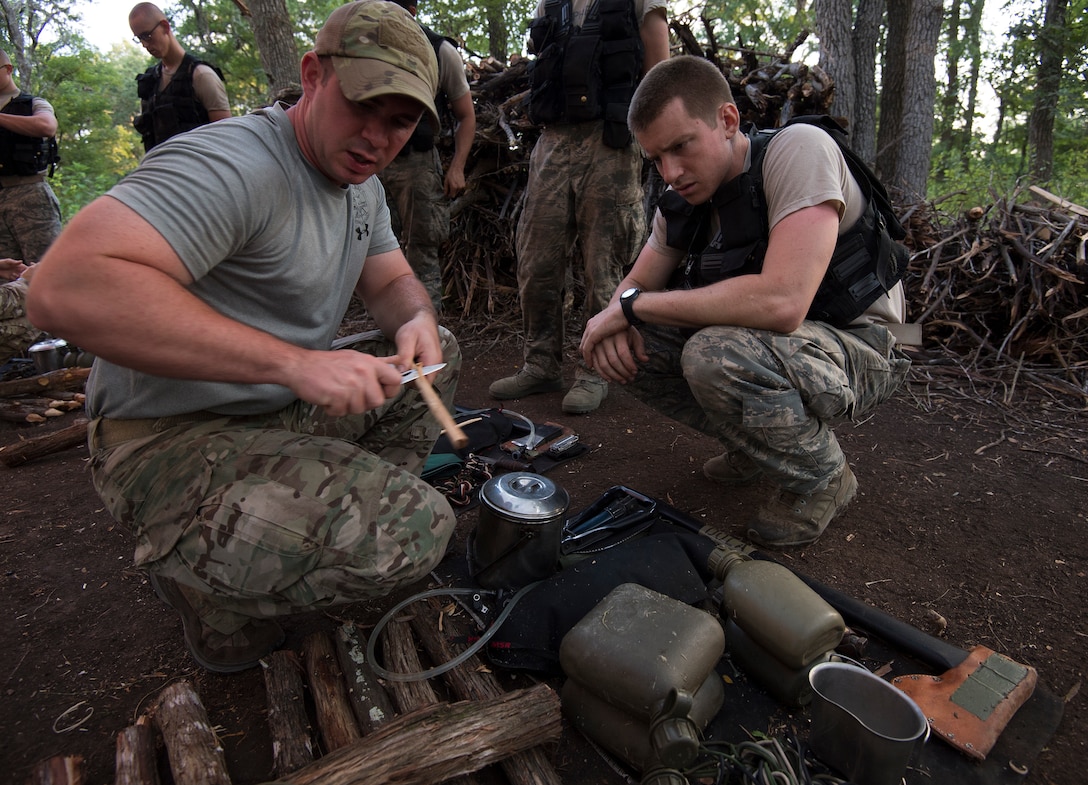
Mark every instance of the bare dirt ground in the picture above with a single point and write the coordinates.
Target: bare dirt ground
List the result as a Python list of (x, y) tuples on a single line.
[(967, 508)]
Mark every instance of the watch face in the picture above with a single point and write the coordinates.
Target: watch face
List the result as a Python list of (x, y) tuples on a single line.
[(629, 293)]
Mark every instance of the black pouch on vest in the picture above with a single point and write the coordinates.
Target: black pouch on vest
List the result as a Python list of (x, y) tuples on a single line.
[(546, 98), (582, 78)]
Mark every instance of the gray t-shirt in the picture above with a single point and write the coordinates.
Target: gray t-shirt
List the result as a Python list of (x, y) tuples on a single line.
[(269, 241)]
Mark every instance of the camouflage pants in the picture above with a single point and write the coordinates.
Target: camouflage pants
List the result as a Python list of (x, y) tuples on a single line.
[(772, 395), (29, 221), (16, 331), (579, 191), (420, 213), (274, 514)]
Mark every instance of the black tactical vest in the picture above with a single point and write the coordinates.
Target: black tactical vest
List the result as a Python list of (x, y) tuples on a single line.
[(422, 139), (25, 155), (865, 265), (173, 110), (589, 72)]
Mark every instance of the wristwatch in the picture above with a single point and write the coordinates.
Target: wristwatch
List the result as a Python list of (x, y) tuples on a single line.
[(627, 301)]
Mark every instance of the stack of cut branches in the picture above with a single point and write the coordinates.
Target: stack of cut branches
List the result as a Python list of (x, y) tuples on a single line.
[(480, 261), (1003, 287)]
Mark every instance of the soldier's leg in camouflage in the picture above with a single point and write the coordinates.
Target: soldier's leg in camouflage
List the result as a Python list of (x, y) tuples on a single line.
[(420, 214), (544, 240), (241, 521), (34, 221), (771, 396), (611, 227)]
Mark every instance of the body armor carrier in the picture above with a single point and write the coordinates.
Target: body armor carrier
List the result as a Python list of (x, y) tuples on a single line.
[(25, 155), (866, 264), (585, 73), (170, 111), (422, 139)]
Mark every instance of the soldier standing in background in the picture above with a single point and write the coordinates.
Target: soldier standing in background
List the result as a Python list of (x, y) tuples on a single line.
[(29, 210), (419, 194), (180, 92)]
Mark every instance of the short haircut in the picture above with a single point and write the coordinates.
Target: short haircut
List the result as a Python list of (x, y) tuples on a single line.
[(697, 82)]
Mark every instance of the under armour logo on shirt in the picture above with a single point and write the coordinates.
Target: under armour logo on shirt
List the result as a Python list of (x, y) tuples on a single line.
[(360, 231)]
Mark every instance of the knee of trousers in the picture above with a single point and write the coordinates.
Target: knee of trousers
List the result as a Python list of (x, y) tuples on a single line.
[(730, 358)]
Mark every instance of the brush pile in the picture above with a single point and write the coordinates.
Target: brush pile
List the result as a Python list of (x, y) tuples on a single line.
[(1002, 290)]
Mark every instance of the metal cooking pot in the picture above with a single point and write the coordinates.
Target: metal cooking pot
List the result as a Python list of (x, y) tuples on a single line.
[(521, 525), (49, 355)]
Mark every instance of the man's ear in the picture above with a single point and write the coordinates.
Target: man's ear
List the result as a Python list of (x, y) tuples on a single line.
[(310, 72), (729, 117)]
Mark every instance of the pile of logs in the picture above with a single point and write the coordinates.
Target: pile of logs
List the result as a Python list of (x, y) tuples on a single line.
[(39, 399), (1002, 288), (368, 731)]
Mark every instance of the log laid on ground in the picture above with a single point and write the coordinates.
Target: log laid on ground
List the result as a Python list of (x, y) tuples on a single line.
[(399, 649), (440, 742), (470, 681), (292, 746), (31, 449), (196, 756), (335, 719), (134, 761), (58, 770), (64, 379), (372, 704)]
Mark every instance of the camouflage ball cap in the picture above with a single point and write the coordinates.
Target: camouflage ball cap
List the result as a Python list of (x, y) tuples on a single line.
[(378, 48)]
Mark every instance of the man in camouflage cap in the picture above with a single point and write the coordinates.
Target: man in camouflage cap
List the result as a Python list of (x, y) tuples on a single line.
[(262, 472)]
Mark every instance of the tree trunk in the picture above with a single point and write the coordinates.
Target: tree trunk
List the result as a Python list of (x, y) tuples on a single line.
[(834, 26), (866, 35), (891, 92), (909, 95), (1047, 83), (274, 32)]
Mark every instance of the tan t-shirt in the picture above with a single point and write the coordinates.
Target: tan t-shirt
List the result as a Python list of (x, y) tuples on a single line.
[(803, 167)]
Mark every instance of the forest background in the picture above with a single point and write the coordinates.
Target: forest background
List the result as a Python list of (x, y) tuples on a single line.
[(958, 100)]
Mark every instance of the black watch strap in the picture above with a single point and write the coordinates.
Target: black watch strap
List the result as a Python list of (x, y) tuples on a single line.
[(627, 301)]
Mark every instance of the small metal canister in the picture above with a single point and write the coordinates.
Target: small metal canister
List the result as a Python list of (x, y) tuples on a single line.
[(49, 355), (521, 525)]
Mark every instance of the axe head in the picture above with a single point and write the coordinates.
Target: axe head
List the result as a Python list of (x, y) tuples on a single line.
[(970, 705)]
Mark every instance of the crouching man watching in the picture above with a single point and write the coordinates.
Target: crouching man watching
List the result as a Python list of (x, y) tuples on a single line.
[(721, 321)]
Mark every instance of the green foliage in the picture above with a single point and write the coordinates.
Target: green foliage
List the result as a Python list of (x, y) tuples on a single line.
[(477, 22)]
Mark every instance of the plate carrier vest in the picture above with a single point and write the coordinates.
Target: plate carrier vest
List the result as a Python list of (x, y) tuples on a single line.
[(589, 72), (173, 110), (21, 155), (867, 261)]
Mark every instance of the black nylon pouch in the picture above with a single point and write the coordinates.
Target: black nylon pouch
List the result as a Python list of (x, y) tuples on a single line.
[(667, 561)]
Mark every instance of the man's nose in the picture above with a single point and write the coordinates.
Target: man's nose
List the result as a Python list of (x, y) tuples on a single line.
[(668, 169)]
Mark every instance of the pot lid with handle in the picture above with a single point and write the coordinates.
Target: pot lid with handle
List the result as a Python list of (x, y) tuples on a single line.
[(525, 496)]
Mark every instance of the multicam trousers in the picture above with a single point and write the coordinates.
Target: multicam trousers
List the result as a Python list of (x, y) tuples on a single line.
[(266, 515), (16, 331), (29, 221), (420, 214), (772, 395), (579, 191)]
